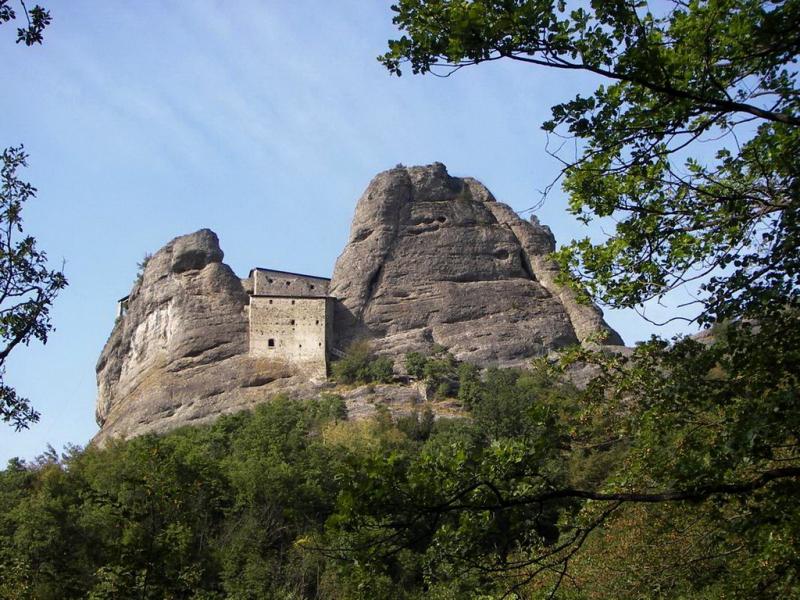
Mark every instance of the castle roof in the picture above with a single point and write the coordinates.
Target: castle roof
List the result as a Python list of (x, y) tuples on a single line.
[(265, 270)]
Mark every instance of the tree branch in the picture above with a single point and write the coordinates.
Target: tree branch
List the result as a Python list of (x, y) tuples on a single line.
[(703, 102), (638, 497)]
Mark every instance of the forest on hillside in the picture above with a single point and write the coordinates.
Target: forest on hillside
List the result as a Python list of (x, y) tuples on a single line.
[(541, 490)]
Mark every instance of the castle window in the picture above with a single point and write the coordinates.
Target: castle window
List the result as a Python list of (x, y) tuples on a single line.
[(316, 322), (271, 343), (292, 301), (291, 322), (312, 286), (270, 301), (301, 345), (288, 282)]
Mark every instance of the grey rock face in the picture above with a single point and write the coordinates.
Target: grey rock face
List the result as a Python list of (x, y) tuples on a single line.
[(195, 251), (436, 259), (431, 259), (179, 355)]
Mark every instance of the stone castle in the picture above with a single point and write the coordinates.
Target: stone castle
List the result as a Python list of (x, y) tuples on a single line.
[(431, 259), (291, 319)]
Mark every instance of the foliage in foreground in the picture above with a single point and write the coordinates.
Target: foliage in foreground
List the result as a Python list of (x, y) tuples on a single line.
[(638, 487), (37, 19), (28, 286), (687, 150)]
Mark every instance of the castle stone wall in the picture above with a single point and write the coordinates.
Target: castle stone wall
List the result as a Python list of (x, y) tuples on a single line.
[(267, 282), (292, 330)]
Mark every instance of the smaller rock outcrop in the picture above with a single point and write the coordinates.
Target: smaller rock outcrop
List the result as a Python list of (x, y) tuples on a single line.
[(179, 354)]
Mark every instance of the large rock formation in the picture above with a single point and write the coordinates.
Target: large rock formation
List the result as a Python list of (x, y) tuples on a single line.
[(431, 259), (180, 353), (435, 259)]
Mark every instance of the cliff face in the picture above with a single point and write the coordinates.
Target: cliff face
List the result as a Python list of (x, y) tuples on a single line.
[(431, 259), (179, 355), (436, 259)]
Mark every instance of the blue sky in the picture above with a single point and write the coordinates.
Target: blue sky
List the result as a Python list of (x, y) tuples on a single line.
[(263, 122)]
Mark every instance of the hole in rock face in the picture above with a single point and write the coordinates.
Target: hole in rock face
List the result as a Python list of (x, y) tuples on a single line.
[(441, 219), (501, 254), (362, 235)]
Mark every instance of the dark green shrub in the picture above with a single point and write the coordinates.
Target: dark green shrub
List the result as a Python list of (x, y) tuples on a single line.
[(381, 370), (446, 388), (330, 407), (469, 384), (417, 426), (360, 365), (415, 364), (444, 374), (354, 365), (439, 367)]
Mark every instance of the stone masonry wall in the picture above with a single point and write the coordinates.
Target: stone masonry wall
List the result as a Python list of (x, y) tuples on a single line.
[(294, 330), (267, 282)]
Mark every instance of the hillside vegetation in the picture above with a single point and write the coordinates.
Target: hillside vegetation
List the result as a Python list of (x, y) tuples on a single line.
[(632, 488)]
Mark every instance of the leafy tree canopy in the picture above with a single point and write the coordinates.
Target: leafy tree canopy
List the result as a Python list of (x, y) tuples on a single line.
[(545, 490), (27, 285), (691, 147), (677, 74), (37, 19)]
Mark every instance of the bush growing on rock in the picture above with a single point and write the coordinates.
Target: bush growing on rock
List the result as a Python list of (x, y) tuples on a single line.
[(360, 365), (415, 364), (440, 371)]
